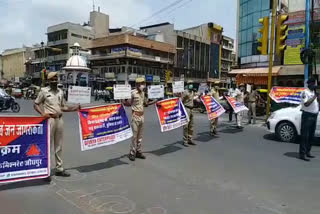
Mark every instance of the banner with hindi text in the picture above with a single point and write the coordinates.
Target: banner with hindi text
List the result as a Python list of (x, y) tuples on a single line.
[(103, 126), (237, 106), (24, 148), (171, 114), (286, 94), (213, 107)]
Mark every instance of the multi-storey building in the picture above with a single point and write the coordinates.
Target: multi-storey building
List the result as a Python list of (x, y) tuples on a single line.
[(198, 49), (227, 59)]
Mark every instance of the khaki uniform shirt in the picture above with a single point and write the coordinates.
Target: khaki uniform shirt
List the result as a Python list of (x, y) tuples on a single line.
[(253, 96), (52, 102), (187, 99), (214, 94), (138, 100)]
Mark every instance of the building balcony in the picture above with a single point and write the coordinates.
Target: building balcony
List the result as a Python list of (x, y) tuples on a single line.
[(58, 57), (135, 55), (226, 59), (227, 48), (58, 42)]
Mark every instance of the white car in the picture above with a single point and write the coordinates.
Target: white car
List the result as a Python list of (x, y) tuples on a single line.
[(286, 124)]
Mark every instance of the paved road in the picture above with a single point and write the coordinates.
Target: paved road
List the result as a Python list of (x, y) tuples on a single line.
[(240, 172)]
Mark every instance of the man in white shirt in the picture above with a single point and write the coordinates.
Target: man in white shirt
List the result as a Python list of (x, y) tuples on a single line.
[(310, 110), (232, 93)]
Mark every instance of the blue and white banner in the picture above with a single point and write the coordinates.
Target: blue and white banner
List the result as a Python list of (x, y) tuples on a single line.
[(24, 148), (103, 126)]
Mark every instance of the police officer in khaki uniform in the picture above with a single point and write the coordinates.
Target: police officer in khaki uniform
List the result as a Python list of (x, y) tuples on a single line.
[(252, 102), (187, 99), (50, 103), (213, 123), (138, 101)]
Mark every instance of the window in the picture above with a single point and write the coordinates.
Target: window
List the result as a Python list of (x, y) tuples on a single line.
[(265, 5), (251, 6), (255, 18), (249, 21), (249, 49), (76, 35), (245, 9), (244, 36), (249, 35), (257, 5)]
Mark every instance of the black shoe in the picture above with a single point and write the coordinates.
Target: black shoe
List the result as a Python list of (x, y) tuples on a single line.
[(310, 156), (249, 122), (64, 173), (302, 157), (239, 127), (140, 155), (185, 144), (48, 179), (192, 143), (132, 157)]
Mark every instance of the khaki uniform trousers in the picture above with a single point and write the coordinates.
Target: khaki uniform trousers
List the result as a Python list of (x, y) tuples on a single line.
[(213, 125), (188, 129), (252, 112), (56, 140), (137, 124)]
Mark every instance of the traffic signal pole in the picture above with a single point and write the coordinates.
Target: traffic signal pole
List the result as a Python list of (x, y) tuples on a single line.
[(307, 44), (273, 21)]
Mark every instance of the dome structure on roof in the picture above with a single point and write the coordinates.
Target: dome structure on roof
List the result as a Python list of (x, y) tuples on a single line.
[(76, 62)]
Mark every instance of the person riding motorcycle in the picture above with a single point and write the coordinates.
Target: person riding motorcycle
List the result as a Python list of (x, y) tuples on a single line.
[(3, 96)]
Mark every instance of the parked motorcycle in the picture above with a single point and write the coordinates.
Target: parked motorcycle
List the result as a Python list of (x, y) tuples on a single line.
[(10, 103)]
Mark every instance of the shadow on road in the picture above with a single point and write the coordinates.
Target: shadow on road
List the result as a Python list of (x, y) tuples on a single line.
[(101, 166), (205, 137), (292, 154), (231, 130), (169, 148), (23, 184), (272, 137)]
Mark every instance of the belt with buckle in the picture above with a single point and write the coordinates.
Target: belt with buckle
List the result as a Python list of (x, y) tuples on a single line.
[(138, 113)]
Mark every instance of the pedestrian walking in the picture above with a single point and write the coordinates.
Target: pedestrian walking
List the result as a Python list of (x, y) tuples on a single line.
[(252, 97), (188, 98), (231, 93), (137, 103), (310, 110), (214, 122), (50, 103)]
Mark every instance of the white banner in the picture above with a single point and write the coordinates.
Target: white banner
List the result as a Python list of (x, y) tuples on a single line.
[(78, 94), (122, 92), (178, 87), (155, 91)]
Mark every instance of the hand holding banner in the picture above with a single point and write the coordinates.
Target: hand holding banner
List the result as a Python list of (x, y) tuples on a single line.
[(103, 126), (237, 106), (286, 94), (171, 114), (214, 109)]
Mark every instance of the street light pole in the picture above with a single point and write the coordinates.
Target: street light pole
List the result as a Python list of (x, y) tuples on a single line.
[(274, 5)]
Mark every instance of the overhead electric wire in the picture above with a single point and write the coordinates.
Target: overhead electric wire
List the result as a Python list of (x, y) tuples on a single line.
[(159, 12)]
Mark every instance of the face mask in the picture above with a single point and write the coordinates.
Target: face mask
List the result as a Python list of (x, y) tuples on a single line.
[(54, 85), (190, 87), (142, 87)]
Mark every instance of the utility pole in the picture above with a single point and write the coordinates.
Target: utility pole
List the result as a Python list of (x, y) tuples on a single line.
[(307, 44), (273, 20)]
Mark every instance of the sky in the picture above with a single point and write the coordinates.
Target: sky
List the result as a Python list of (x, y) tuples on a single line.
[(25, 22)]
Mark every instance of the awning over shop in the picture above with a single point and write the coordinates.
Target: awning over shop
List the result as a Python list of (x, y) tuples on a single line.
[(291, 70), (256, 72)]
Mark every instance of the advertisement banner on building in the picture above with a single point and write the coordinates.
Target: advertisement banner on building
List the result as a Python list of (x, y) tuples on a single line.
[(214, 109), (103, 126), (171, 114), (295, 42), (237, 106), (155, 91), (286, 94), (24, 148), (178, 87), (122, 92), (78, 94)]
